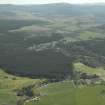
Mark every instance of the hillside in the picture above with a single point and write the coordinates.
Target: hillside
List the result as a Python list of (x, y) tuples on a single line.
[(28, 46), (65, 92), (10, 85)]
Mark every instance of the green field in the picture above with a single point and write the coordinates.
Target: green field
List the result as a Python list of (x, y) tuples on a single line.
[(65, 93), (8, 86), (86, 69), (60, 93)]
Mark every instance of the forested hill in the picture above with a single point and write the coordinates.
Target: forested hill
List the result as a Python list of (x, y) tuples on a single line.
[(44, 40), (54, 9)]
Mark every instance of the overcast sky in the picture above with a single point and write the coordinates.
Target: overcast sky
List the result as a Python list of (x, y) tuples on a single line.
[(48, 1)]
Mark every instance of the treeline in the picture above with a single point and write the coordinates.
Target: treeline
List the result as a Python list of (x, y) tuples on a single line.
[(90, 52)]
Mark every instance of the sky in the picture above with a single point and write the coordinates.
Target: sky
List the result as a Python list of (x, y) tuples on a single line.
[(49, 1)]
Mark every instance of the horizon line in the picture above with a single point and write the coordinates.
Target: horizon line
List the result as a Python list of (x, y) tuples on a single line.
[(102, 3)]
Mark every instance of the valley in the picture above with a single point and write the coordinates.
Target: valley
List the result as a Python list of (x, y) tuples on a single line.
[(52, 54)]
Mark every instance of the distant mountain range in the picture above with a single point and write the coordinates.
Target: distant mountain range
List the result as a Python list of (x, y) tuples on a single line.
[(31, 11)]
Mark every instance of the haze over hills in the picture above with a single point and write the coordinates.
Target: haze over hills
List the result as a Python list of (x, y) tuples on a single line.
[(28, 29), (51, 10)]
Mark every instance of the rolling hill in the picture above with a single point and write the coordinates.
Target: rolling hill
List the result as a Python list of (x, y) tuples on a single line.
[(52, 54)]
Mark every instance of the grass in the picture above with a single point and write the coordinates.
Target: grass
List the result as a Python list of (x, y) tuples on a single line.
[(85, 35), (86, 69), (64, 93), (7, 97), (60, 93), (90, 95), (56, 94), (9, 83)]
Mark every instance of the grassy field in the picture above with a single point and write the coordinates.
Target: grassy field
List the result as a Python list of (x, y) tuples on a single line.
[(86, 69), (86, 35), (60, 93), (65, 93), (10, 83), (56, 94), (90, 95)]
